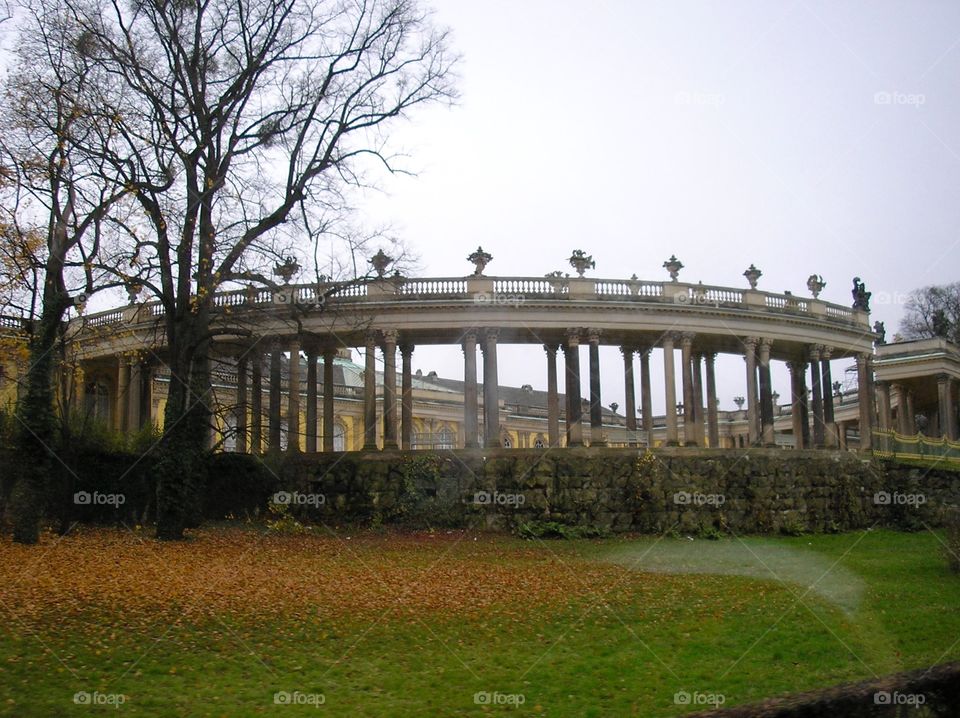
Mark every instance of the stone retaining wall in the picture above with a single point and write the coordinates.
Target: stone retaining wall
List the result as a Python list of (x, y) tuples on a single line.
[(684, 490)]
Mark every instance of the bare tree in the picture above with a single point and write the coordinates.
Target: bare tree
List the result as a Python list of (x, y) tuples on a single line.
[(933, 312), (56, 192), (243, 123)]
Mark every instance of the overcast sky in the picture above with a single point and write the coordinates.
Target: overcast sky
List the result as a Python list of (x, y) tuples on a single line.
[(804, 137)]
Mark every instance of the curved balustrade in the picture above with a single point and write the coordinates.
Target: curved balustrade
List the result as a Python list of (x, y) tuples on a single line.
[(403, 289)]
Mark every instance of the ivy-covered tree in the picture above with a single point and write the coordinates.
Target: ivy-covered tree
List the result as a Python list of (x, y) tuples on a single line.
[(242, 122)]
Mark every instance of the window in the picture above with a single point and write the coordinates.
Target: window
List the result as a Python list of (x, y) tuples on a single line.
[(97, 401), (230, 433), (446, 439), (507, 444), (339, 437), (539, 442)]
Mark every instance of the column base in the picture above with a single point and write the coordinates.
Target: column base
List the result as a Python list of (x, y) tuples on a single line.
[(392, 445)]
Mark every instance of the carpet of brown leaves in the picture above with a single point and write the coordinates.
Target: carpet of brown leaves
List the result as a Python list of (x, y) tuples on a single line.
[(246, 572)]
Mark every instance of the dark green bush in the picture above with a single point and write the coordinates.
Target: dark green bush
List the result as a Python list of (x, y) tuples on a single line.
[(556, 530), (237, 485)]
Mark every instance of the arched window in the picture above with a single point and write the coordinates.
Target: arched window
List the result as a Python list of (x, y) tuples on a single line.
[(230, 433), (339, 437), (506, 442), (97, 401), (539, 442)]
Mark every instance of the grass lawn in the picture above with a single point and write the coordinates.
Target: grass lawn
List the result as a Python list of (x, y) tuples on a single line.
[(458, 623)]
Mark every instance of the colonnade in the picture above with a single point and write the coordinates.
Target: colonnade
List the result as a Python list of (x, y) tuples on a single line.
[(699, 406)]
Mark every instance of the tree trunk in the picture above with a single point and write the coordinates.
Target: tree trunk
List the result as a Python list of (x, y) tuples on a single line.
[(181, 461), (36, 429)]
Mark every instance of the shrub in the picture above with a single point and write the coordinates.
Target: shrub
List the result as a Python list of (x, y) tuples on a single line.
[(238, 485), (556, 530)]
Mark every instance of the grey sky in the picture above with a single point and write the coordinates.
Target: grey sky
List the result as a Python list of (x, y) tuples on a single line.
[(805, 137)]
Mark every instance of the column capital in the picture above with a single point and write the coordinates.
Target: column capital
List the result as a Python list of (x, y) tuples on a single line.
[(389, 336), (814, 352), (551, 348), (765, 343), (468, 335), (371, 336), (943, 378), (825, 351), (668, 337), (593, 335), (686, 339), (491, 334), (573, 336), (406, 348), (627, 352), (751, 342), (709, 357)]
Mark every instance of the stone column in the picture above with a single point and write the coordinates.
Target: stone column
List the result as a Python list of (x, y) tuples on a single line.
[(370, 392), (826, 385), (390, 389), (886, 414), (911, 414), (902, 426), (819, 430), (470, 390), (596, 405), (686, 375), (406, 395), (670, 391), (571, 354), (123, 388), (256, 402), (133, 396), (241, 411), (293, 398), (805, 407), (646, 399), (750, 354), (553, 400), (864, 382), (766, 393), (797, 369), (945, 405), (713, 424), (273, 432), (491, 389), (329, 352), (842, 435), (630, 397), (698, 406), (311, 429)]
